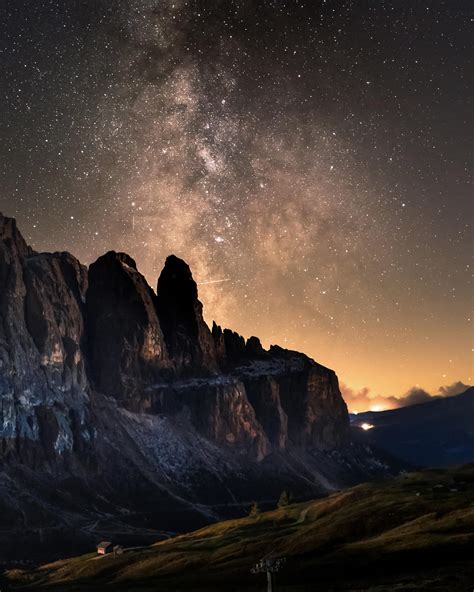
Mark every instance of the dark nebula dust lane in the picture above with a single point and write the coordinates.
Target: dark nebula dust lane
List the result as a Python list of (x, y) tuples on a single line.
[(309, 159)]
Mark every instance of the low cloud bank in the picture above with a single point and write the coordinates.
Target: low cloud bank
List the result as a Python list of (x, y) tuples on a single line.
[(365, 400)]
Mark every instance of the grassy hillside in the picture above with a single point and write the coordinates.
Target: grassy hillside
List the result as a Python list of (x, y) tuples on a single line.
[(415, 532)]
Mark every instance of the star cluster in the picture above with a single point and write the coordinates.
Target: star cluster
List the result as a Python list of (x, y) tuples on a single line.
[(309, 159)]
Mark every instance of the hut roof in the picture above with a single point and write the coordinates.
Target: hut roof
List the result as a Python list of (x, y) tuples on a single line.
[(104, 545)]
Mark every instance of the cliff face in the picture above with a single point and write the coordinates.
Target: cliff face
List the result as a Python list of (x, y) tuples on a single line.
[(43, 383), (130, 393), (127, 351), (155, 354), (187, 336)]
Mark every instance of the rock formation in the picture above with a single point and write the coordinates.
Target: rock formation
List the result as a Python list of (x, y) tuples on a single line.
[(43, 382), (186, 334), (127, 350), (129, 395)]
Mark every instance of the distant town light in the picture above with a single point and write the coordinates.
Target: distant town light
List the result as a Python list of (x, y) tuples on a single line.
[(366, 426), (376, 408)]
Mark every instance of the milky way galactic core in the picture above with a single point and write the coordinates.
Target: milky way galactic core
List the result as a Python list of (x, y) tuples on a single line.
[(309, 160)]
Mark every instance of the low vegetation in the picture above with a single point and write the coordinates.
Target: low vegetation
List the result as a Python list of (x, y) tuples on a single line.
[(415, 532)]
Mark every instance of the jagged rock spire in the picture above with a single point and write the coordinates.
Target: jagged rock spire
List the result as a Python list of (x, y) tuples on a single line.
[(126, 345), (187, 336)]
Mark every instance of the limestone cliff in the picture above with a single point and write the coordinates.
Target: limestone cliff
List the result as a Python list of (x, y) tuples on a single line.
[(112, 394)]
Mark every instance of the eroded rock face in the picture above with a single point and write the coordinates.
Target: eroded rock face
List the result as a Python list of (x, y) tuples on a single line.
[(222, 413), (297, 400), (43, 383), (264, 395), (232, 349), (54, 315), (187, 336), (127, 350)]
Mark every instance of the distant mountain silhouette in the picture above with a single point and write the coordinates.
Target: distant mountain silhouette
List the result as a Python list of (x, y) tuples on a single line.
[(439, 432)]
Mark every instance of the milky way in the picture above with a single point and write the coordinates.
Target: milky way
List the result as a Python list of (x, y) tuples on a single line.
[(310, 160)]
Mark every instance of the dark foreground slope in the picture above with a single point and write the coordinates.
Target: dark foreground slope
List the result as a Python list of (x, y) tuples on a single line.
[(439, 432), (413, 532)]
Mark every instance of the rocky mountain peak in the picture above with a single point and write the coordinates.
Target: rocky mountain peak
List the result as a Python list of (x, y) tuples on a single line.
[(11, 237), (126, 344), (118, 258), (176, 284), (187, 336)]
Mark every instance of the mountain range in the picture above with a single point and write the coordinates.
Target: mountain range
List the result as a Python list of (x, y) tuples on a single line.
[(121, 411), (439, 432)]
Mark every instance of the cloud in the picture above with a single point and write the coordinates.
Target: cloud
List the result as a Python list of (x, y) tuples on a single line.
[(365, 400), (414, 396), (453, 389)]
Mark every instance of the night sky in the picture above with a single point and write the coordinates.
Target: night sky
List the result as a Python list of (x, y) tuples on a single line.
[(309, 159)]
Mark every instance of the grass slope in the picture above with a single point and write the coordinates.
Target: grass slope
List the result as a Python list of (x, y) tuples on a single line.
[(414, 532)]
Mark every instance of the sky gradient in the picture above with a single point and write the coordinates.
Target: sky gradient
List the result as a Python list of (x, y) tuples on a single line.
[(310, 160)]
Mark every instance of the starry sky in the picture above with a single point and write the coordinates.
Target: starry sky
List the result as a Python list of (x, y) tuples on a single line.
[(310, 160)]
